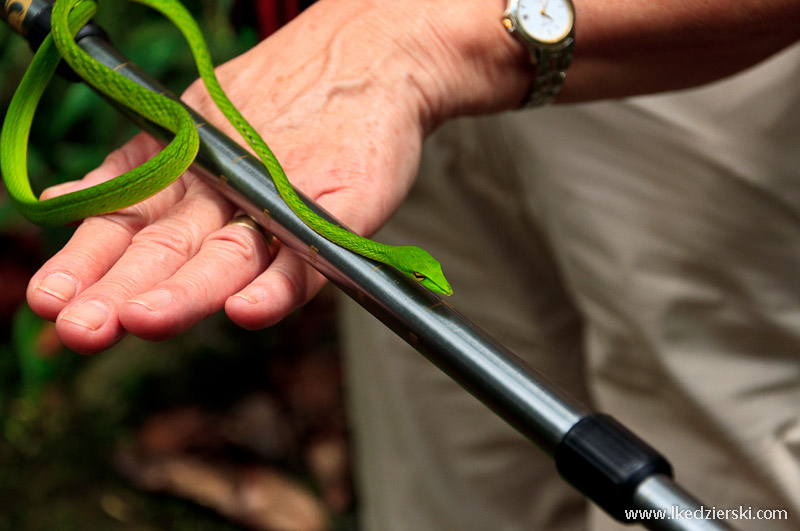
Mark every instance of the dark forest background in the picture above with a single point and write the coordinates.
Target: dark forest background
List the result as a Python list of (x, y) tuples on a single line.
[(219, 428)]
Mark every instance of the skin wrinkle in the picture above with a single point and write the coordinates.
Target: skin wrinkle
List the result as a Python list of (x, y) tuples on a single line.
[(304, 99), (126, 285), (353, 171), (194, 283), (243, 247), (418, 50), (412, 80), (471, 50), (129, 220), (292, 286), (121, 222), (83, 259), (308, 102), (175, 238), (202, 201)]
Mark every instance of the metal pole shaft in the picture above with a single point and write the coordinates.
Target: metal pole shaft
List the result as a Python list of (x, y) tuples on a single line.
[(516, 392)]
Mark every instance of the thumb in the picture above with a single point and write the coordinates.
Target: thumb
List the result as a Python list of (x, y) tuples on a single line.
[(132, 154)]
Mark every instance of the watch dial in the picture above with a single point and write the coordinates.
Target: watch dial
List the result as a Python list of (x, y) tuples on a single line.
[(545, 20)]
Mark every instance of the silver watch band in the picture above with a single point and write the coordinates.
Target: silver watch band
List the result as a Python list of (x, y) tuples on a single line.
[(551, 69)]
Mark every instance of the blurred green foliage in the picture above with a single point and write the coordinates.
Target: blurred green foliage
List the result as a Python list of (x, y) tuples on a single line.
[(61, 414), (75, 128)]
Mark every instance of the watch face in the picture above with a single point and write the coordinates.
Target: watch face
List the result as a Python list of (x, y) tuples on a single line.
[(545, 20)]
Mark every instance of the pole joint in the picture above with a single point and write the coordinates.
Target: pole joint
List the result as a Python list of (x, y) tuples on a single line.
[(607, 462)]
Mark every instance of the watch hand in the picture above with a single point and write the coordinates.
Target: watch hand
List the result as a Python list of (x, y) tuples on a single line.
[(544, 8)]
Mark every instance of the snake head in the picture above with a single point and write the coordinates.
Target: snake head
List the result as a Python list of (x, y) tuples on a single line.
[(419, 265)]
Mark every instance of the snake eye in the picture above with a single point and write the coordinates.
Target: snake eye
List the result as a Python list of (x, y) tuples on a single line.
[(419, 277)]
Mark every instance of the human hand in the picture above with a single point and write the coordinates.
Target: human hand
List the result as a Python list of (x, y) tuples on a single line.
[(343, 103)]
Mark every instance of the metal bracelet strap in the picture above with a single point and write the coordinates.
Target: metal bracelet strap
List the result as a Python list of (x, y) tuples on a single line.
[(547, 85)]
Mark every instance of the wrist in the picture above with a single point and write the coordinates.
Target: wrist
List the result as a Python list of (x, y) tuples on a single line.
[(463, 60), (440, 58), (421, 60)]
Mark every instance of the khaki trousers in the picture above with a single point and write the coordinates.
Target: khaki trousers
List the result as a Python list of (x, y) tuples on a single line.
[(645, 256)]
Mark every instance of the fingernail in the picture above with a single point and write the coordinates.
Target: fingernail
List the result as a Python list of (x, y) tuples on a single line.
[(252, 294), (153, 300), (90, 314), (58, 285)]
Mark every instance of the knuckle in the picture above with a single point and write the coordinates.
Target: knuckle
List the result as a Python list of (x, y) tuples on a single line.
[(123, 227), (196, 285), (120, 285), (290, 284), (237, 244), (87, 261), (175, 239)]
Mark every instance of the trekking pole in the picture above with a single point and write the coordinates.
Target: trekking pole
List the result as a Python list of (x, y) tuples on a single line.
[(593, 452)]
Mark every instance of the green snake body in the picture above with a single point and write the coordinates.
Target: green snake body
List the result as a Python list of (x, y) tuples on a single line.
[(141, 182)]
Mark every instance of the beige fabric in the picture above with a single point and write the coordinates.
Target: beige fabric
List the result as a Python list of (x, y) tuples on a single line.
[(645, 253)]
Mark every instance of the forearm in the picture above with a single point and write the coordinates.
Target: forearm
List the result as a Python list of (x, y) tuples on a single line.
[(629, 47), (469, 64)]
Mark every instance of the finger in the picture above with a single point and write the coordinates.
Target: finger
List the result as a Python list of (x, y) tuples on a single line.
[(290, 281), (227, 261), (287, 284), (98, 242), (90, 321), (83, 260), (134, 153)]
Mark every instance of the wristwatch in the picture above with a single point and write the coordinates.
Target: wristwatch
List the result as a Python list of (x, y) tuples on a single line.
[(546, 28)]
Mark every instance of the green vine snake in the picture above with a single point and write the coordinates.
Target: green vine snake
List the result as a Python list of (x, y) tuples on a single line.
[(161, 170)]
